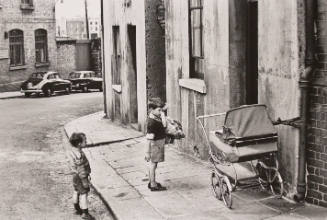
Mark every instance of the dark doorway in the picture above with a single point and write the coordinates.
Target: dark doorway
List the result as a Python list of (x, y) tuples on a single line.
[(116, 72), (132, 73), (252, 54)]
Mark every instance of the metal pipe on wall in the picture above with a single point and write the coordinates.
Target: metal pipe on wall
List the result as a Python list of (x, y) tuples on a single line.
[(304, 87)]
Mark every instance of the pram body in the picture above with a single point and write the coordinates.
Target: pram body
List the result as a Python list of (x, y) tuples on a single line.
[(247, 135)]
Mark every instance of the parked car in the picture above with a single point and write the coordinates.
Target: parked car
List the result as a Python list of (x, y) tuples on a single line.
[(85, 80), (45, 82)]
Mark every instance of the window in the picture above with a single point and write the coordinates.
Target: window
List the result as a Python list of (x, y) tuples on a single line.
[(51, 76), (196, 38), (27, 5), (16, 47), (27, 2), (41, 46)]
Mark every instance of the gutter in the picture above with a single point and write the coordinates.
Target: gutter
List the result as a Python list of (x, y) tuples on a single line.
[(301, 122), (304, 83)]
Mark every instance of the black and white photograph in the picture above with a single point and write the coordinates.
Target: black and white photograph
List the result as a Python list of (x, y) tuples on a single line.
[(163, 109)]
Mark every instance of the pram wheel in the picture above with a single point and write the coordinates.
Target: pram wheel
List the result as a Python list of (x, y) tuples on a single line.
[(216, 185), (226, 192)]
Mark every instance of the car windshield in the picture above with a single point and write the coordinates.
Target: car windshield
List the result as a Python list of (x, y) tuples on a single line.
[(74, 75), (37, 75)]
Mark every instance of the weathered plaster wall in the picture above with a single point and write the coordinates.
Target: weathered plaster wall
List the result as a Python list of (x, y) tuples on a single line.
[(279, 70), (155, 52), (224, 57), (122, 13)]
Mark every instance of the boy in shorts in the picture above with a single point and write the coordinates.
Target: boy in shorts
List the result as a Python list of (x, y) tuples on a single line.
[(155, 151), (82, 170)]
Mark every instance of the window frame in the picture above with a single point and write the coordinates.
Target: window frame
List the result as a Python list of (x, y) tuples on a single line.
[(27, 2), (13, 43), (191, 28), (196, 60), (43, 34)]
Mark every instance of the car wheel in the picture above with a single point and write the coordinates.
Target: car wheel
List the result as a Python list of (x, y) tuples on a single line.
[(85, 89), (47, 92), (27, 94), (68, 90)]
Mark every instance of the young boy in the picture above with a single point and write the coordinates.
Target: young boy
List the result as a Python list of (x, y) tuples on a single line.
[(82, 170), (155, 151)]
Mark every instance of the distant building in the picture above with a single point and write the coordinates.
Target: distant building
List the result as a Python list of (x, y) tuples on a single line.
[(94, 28), (76, 28), (27, 42)]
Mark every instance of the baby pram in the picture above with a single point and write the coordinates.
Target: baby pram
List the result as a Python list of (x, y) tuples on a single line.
[(247, 141)]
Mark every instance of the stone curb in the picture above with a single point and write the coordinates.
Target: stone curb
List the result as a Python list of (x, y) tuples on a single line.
[(12, 96), (105, 202)]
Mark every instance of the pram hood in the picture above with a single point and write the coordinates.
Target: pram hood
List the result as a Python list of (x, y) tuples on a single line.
[(249, 121)]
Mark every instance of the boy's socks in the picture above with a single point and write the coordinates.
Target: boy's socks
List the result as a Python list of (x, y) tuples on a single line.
[(78, 209)]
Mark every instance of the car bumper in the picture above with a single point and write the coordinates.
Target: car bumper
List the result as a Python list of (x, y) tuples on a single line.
[(31, 90)]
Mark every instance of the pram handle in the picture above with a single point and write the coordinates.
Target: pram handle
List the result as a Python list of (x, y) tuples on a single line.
[(198, 118), (211, 115)]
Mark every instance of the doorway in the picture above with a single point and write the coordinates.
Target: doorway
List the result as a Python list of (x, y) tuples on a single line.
[(116, 73), (132, 73), (252, 54)]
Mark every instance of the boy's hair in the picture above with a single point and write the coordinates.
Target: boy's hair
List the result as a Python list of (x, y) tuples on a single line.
[(155, 103), (76, 138)]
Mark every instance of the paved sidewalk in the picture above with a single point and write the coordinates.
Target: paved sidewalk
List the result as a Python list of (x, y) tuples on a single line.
[(8, 95), (119, 174)]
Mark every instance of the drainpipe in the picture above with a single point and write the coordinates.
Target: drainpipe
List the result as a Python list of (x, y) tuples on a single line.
[(304, 86)]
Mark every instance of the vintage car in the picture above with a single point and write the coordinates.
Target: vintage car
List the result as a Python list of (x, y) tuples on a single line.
[(85, 80), (45, 82)]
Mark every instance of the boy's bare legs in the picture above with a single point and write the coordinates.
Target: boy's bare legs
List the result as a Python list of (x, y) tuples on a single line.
[(78, 209), (152, 173)]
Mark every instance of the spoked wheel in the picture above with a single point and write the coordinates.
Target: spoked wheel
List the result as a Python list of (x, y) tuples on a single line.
[(226, 192), (215, 184), (270, 179), (276, 183)]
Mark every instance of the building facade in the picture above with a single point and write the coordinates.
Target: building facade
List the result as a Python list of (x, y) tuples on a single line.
[(76, 28), (94, 28), (27, 42), (222, 54), (134, 59)]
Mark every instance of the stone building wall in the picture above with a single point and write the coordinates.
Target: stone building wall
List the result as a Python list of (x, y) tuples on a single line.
[(66, 57), (13, 17)]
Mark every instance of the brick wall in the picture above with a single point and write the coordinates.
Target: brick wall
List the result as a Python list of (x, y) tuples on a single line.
[(66, 53), (317, 135), (12, 17), (317, 147)]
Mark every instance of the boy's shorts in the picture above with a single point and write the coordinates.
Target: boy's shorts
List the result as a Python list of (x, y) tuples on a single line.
[(79, 186), (157, 150)]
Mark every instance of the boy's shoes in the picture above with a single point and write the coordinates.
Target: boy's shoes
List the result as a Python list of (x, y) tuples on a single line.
[(159, 187), (86, 215)]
